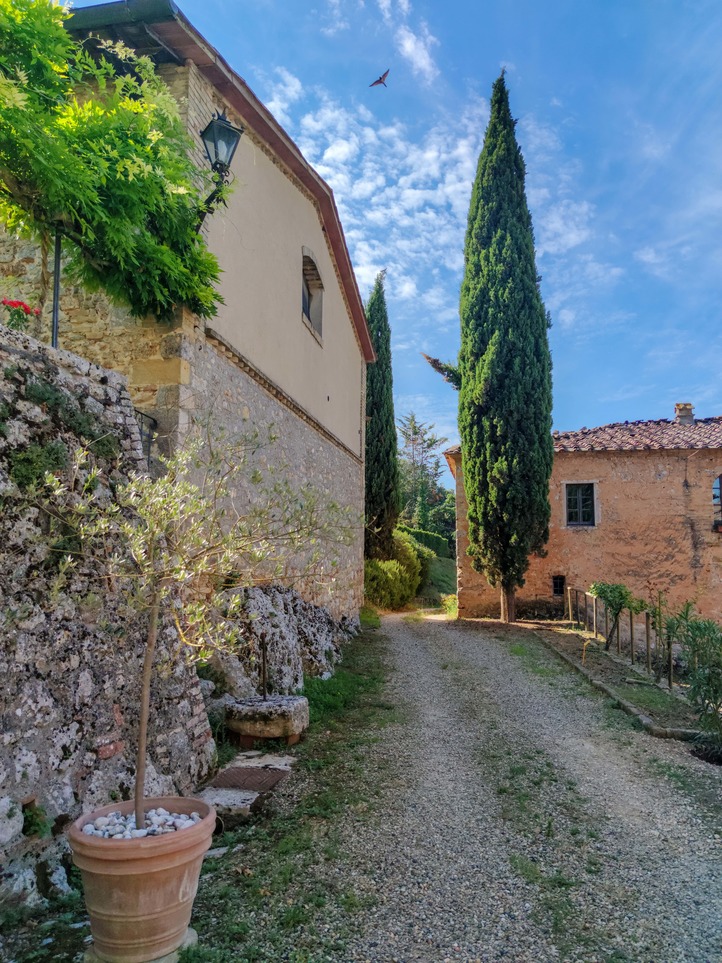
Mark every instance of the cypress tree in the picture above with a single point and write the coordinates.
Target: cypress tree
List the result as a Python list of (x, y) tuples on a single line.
[(505, 394), (382, 469)]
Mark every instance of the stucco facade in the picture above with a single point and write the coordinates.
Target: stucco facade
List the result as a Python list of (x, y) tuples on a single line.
[(261, 362), (649, 522)]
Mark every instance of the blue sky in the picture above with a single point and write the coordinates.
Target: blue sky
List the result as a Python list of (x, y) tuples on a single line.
[(619, 109)]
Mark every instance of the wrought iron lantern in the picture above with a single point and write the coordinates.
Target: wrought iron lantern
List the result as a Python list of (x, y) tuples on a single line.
[(220, 139)]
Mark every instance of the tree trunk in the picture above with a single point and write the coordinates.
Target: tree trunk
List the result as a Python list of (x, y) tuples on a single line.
[(608, 643), (145, 710), (508, 605)]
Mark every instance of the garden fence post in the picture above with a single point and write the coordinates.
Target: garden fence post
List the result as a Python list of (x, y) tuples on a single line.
[(594, 615), (648, 639), (569, 602), (671, 666), (631, 635), (576, 600)]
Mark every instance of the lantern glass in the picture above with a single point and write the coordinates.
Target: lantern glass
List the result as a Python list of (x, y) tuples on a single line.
[(220, 139)]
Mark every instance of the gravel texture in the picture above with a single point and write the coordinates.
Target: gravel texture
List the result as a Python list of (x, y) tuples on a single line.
[(519, 818)]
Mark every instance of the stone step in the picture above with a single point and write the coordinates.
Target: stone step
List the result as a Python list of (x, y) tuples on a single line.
[(240, 788)]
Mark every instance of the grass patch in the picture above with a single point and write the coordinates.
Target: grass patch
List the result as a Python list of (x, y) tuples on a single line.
[(700, 785), (535, 658), (658, 703), (369, 617), (267, 900), (329, 699), (441, 579)]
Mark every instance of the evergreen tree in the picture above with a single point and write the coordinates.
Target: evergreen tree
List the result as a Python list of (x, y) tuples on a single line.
[(382, 469), (505, 395), (420, 468)]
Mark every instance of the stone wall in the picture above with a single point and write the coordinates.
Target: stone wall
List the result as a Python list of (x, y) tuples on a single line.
[(224, 387), (70, 649), (652, 532)]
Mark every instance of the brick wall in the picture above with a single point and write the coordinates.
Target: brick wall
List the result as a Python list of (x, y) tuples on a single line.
[(653, 532)]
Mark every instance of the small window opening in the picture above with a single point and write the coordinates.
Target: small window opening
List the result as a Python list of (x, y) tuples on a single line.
[(312, 293), (558, 585), (717, 504), (580, 504)]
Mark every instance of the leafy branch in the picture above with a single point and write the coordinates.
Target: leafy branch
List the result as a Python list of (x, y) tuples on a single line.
[(93, 147)]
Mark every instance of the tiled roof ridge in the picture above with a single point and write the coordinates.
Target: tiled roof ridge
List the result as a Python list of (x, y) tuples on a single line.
[(650, 435), (659, 434), (715, 419)]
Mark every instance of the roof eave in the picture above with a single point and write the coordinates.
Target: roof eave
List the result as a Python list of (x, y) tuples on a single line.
[(177, 33)]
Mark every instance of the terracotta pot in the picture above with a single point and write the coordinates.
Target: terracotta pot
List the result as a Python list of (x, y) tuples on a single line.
[(139, 892)]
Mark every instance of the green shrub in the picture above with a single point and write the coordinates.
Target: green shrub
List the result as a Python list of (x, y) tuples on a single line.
[(384, 582), (450, 604), (437, 543), (407, 552), (616, 598), (392, 583), (426, 559), (702, 641), (29, 467)]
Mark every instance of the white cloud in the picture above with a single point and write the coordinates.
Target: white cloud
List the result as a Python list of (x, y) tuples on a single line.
[(284, 93), (336, 19), (403, 201), (385, 8), (562, 226), (416, 49)]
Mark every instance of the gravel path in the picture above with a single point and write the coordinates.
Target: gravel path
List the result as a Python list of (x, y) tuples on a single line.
[(519, 818)]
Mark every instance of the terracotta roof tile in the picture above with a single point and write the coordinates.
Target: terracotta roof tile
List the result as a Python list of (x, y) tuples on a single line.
[(642, 436)]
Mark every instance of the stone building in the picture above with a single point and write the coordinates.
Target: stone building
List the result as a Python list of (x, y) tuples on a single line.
[(288, 349), (636, 503)]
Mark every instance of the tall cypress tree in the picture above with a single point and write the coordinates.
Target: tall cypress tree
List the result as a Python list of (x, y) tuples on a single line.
[(505, 394), (382, 469)]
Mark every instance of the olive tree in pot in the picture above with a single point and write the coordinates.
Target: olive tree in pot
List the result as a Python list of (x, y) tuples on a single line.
[(174, 545)]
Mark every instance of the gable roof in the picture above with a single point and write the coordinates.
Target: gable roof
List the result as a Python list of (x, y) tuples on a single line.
[(643, 436), (158, 29)]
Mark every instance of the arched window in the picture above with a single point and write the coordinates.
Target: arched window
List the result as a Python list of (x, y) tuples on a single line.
[(312, 293)]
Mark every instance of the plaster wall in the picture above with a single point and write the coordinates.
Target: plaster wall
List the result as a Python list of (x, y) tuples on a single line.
[(652, 532), (259, 240)]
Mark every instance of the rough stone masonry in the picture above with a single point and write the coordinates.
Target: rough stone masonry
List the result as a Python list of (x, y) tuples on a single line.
[(70, 648)]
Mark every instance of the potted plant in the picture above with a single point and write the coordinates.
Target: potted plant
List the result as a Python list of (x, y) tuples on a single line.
[(173, 545)]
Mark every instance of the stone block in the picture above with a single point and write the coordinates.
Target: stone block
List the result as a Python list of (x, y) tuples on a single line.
[(277, 717), (232, 806), (160, 371)]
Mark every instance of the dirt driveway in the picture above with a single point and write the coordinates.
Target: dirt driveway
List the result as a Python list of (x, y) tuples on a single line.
[(522, 818)]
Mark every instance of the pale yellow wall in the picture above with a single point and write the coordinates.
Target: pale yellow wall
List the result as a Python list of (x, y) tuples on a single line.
[(259, 241)]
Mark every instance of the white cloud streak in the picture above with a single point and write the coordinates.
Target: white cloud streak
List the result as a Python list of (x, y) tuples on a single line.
[(285, 92)]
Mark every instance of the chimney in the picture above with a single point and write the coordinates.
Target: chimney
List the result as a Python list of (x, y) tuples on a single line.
[(684, 413)]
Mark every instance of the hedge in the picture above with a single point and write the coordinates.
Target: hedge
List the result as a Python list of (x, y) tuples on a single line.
[(437, 543)]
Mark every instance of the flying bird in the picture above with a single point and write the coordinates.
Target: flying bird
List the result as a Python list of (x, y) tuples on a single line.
[(381, 80)]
